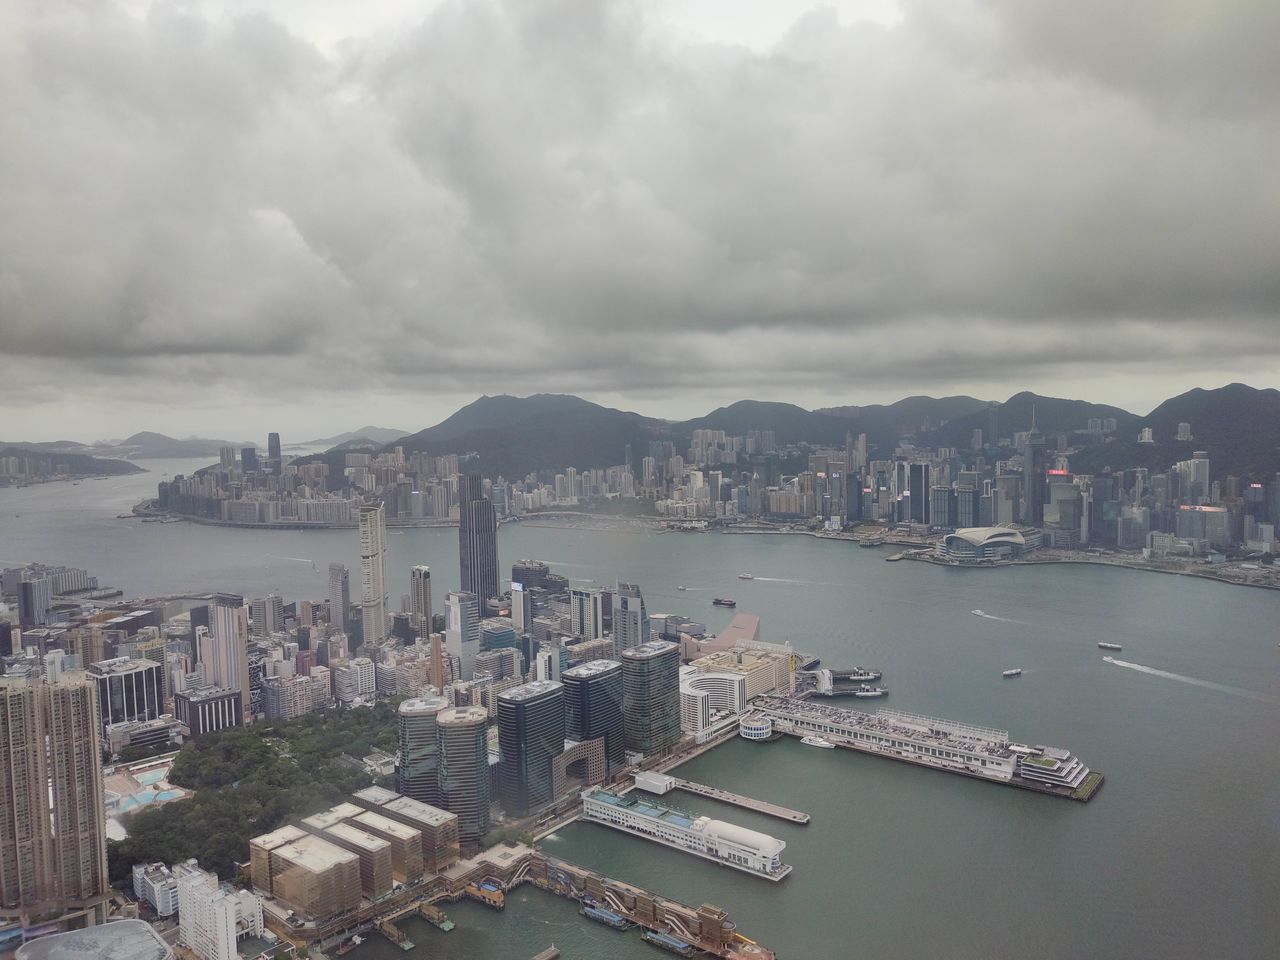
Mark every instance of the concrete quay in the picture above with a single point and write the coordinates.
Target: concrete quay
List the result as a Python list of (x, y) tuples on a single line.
[(738, 800)]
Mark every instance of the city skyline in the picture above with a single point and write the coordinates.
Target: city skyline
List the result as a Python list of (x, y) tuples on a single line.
[(958, 198)]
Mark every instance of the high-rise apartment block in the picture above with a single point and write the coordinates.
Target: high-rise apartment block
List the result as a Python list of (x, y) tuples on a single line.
[(420, 599), (53, 845), (373, 576), (630, 618)]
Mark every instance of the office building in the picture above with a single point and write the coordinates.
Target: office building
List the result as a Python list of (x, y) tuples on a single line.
[(209, 710), (53, 845), (420, 599), (521, 607), (224, 651), (651, 696), (339, 595), (267, 615), (630, 618), (35, 602), (417, 762), (464, 769), (531, 727), (593, 706), (273, 451), (477, 539), (128, 690), (156, 884), (308, 874), (404, 842), (373, 573), (437, 828), (462, 629), (373, 852), (586, 613)]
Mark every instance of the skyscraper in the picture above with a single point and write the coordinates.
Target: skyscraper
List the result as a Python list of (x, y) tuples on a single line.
[(477, 539), (521, 607), (462, 629), (464, 768), (420, 599), (1034, 470), (267, 615), (224, 651), (918, 484), (273, 451), (53, 845), (586, 613), (373, 573), (339, 595), (593, 706), (651, 696), (418, 759), (530, 737), (630, 618)]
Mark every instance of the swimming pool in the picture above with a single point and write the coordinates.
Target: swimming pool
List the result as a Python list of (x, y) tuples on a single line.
[(152, 776)]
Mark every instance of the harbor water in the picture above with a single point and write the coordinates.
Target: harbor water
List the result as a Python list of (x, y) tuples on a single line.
[(1178, 856)]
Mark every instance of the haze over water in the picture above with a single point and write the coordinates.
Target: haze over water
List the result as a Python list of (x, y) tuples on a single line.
[(1177, 857)]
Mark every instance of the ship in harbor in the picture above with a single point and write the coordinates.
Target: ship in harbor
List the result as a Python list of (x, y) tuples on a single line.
[(724, 602), (592, 910), (669, 943), (746, 576), (860, 675), (1103, 645), (1015, 672), (818, 742), (973, 751), (867, 691)]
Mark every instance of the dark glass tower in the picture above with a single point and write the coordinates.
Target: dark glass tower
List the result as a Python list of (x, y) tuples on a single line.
[(593, 706), (651, 696), (530, 737), (462, 734), (477, 539), (418, 760)]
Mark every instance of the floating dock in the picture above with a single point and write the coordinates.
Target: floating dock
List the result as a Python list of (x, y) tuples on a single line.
[(738, 800)]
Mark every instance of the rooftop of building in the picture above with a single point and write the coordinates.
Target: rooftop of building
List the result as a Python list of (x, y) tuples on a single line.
[(349, 833), (463, 715), (421, 706), (980, 536), (278, 838), (530, 691), (645, 651), (376, 821), (592, 668), (121, 665), (343, 811), (419, 812), (378, 795), (743, 628), (314, 854), (118, 940)]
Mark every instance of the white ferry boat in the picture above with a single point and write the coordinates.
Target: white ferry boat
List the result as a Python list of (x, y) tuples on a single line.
[(818, 742), (1103, 645), (863, 675), (865, 690), (746, 576), (1015, 672)]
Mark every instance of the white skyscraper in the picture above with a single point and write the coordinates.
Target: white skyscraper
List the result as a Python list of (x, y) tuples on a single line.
[(210, 919), (373, 576), (462, 629), (420, 599), (586, 613), (630, 618)]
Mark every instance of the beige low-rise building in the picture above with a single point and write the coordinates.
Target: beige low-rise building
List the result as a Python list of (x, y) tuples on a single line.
[(439, 828), (308, 874), (406, 843)]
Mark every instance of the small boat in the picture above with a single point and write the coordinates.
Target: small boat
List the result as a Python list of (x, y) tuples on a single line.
[(682, 587), (868, 691), (1103, 645), (812, 741), (746, 576), (724, 602), (863, 675), (1015, 672)]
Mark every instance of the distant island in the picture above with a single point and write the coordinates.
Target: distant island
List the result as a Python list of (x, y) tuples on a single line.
[(21, 466)]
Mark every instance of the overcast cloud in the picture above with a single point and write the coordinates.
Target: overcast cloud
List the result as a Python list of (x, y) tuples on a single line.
[(210, 209)]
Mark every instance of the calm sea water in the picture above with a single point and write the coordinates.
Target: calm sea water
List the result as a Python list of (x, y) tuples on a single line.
[(1177, 857)]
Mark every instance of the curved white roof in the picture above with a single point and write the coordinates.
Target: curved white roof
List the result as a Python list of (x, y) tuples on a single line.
[(762, 843), (979, 536)]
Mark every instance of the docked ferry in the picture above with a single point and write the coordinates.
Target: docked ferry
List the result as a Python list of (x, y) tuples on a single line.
[(863, 675), (865, 690), (818, 742)]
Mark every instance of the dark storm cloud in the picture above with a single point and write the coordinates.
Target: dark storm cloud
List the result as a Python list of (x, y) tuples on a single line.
[(532, 195)]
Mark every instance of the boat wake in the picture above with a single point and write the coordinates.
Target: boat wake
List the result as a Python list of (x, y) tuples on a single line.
[(813, 583), (298, 559), (991, 616), (1194, 681)]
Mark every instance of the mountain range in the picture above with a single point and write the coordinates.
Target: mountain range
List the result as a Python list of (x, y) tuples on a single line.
[(376, 436), (141, 446), (1237, 424)]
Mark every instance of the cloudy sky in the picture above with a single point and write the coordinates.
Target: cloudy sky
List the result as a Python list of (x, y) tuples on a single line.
[(217, 217)]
